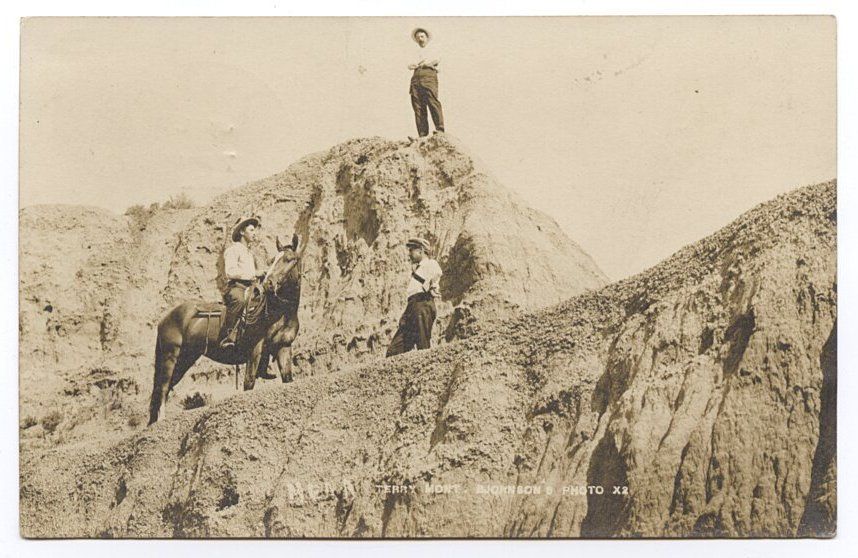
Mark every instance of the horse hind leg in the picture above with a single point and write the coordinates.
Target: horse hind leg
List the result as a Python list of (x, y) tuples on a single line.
[(183, 364), (165, 363), (174, 369)]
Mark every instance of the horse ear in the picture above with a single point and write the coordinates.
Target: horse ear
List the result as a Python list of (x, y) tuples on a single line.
[(295, 242), (279, 243)]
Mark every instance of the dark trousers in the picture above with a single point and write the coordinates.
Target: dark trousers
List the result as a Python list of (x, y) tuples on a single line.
[(233, 298), (424, 94), (415, 326)]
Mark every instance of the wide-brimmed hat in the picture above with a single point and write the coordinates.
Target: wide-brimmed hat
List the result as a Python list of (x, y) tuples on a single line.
[(418, 243), (416, 29), (236, 230)]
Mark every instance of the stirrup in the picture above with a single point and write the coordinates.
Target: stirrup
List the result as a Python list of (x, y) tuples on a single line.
[(226, 342)]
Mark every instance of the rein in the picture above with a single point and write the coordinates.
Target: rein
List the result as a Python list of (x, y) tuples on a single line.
[(267, 296), (271, 267)]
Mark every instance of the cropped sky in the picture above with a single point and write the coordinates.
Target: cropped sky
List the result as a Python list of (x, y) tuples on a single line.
[(637, 135)]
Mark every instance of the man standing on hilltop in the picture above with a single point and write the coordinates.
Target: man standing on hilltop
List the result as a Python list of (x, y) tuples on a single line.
[(424, 84), (239, 266), (415, 326)]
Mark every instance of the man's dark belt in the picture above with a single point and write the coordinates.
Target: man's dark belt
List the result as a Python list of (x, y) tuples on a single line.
[(242, 282), (417, 71), (420, 297)]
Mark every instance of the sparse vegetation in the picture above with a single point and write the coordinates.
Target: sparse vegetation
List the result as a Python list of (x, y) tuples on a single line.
[(180, 201), (142, 214), (195, 401), (111, 400), (51, 421), (28, 422), (134, 421)]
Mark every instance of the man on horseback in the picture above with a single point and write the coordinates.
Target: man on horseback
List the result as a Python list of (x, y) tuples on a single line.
[(240, 270)]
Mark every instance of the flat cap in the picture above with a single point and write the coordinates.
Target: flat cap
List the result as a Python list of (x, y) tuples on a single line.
[(418, 243)]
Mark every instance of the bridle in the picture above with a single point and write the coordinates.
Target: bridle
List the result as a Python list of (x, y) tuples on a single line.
[(267, 283)]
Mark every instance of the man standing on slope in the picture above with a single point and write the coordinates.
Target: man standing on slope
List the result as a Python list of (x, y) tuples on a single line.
[(415, 326), (239, 266), (424, 84)]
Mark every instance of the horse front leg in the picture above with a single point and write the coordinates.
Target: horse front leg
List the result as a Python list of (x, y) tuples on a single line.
[(263, 372), (284, 362), (252, 364)]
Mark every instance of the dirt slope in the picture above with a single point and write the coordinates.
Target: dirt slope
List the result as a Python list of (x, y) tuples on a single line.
[(699, 385)]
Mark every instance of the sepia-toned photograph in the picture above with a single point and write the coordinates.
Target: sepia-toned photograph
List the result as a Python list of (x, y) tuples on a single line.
[(428, 277)]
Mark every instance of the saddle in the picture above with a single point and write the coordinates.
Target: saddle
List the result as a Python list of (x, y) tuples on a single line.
[(215, 312)]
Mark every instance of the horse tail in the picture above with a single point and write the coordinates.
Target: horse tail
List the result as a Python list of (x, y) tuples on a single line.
[(159, 356), (157, 381)]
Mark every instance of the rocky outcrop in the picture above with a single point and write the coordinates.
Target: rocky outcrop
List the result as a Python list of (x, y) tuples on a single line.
[(702, 389), (64, 314), (90, 280)]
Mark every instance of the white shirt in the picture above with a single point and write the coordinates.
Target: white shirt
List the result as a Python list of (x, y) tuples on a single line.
[(426, 54), (238, 262), (429, 270)]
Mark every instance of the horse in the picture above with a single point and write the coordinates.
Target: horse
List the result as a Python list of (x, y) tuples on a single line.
[(271, 325)]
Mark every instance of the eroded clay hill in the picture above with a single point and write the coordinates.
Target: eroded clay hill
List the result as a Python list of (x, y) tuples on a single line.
[(704, 385), (357, 204)]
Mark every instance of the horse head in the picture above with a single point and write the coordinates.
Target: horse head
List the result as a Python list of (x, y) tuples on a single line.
[(284, 277)]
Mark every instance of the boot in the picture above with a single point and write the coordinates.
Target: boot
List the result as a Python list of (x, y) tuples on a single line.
[(228, 342)]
